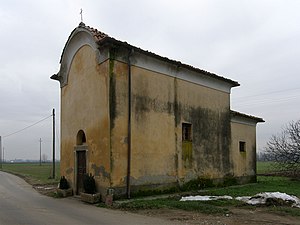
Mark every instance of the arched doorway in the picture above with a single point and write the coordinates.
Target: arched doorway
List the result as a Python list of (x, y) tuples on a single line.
[(81, 150)]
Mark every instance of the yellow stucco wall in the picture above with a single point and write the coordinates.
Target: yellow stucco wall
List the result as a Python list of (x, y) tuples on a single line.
[(244, 163), (160, 104), (153, 128), (84, 106)]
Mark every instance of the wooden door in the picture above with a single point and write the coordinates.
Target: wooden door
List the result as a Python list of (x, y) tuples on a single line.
[(81, 170)]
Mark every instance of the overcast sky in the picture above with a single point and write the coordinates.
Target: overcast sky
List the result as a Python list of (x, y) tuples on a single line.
[(253, 42)]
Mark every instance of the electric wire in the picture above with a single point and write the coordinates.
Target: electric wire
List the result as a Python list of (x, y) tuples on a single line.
[(268, 93), (253, 101), (18, 131), (257, 102)]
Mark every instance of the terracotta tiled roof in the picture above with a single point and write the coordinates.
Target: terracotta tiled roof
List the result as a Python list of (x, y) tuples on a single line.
[(98, 35)]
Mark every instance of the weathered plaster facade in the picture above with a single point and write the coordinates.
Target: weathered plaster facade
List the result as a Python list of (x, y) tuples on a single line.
[(243, 130), (143, 121)]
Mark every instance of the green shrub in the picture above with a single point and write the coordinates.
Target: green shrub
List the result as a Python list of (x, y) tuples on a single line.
[(89, 184), (63, 183)]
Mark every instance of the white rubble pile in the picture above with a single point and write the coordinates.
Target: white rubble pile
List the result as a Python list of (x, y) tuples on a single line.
[(204, 198), (260, 198)]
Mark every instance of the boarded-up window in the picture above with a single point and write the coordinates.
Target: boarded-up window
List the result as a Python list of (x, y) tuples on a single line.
[(186, 132), (187, 144), (242, 146)]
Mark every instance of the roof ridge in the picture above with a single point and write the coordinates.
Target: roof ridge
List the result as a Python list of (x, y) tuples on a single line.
[(98, 35)]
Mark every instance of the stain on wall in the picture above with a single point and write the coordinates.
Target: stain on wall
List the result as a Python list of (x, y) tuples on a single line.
[(100, 171), (211, 139), (69, 171), (112, 94)]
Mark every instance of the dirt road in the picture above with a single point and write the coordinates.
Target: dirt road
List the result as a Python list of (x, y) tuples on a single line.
[(259, 216)]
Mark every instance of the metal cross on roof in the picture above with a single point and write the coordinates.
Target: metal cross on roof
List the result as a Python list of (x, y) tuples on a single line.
[(81, 15)]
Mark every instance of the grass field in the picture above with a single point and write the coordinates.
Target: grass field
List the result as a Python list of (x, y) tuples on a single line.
[(264, 184), (264, 167), (43, 172), (33, 172)]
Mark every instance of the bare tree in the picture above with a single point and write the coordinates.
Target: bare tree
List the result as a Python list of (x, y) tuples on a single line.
[(284, 149)]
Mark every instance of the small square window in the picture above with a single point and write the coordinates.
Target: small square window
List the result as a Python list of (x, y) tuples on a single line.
[(186, 132), (242, 146)]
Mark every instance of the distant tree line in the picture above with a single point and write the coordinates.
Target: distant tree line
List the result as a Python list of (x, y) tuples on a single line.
[(262, 157)]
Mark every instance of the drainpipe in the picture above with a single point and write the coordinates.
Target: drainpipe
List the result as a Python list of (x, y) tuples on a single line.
[(129, 124)]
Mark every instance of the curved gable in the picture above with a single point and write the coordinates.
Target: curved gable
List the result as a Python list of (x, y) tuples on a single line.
[(79, 37)]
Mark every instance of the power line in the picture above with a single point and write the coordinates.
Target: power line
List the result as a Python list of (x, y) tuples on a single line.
[(267, 93), (267, 100), (26, 127), (254, 102)]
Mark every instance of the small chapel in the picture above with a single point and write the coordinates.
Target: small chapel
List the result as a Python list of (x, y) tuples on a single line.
[(139, 121)]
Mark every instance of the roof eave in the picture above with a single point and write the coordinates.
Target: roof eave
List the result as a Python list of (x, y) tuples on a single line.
[(254, 118), (107, 41)]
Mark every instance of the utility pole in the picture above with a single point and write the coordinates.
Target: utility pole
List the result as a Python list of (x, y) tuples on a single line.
[(53, 137), (3, 156), (0, 152), (40, 151)]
